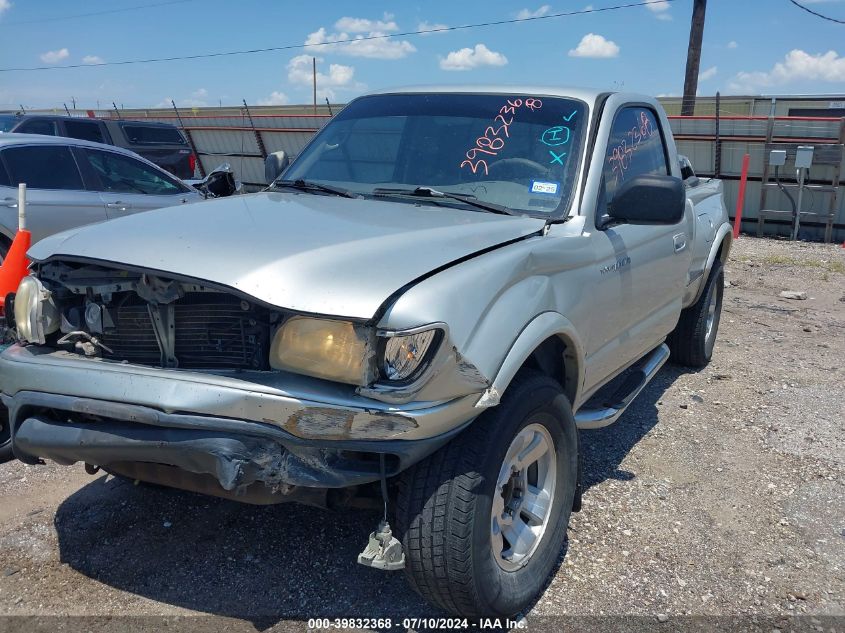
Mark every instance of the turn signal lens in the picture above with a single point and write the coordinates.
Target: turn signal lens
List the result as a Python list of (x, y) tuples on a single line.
[(403, 355)]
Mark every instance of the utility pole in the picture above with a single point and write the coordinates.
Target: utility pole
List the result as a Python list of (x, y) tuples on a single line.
[(696, 34), (73, 101)]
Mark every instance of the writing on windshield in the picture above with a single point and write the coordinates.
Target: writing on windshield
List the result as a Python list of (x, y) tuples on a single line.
[(491, 143)]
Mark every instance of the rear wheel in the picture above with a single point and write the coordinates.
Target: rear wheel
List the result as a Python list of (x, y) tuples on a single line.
[(484, 518), (691, 342)]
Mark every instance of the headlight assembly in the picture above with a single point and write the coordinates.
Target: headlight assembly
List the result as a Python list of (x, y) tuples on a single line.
[(36, 314), (323, 348)]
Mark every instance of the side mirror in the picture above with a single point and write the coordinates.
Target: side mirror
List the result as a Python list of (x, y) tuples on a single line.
[(274, 165), (649, 199)]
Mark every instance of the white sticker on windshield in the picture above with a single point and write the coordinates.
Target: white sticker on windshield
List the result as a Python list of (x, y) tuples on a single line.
[(540, 186)]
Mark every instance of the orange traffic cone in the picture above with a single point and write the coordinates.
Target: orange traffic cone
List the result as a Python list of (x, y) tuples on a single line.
[(15, 266)]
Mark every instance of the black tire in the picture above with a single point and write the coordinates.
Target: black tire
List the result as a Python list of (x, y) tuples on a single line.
[(444, 506), (689, 343), (5, 436)]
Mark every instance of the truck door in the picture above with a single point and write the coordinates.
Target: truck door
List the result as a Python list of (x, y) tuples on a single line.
[(641, 270)]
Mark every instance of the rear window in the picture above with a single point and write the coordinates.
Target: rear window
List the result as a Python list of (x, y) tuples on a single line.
[(84, 130), (152, 135)]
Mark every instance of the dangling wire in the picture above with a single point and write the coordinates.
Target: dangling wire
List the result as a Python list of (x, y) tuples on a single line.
[(382, 471)]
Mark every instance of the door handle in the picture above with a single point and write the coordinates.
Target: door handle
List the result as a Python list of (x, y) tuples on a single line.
[(118, 205), (12, 203), (679, 241)]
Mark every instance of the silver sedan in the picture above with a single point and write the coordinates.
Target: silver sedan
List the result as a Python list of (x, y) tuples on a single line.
[(73, 182)]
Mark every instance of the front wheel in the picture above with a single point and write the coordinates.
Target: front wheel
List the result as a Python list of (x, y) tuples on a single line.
[(484, 518)]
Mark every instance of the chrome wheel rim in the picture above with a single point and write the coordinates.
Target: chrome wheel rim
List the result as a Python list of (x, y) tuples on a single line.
[(523, 498), (711, 314)]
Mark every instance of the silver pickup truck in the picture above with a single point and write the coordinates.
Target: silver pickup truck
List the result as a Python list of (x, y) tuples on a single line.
[(421, 311)]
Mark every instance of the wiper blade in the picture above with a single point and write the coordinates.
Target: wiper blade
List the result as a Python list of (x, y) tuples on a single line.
[(307, 185), (428, 192)]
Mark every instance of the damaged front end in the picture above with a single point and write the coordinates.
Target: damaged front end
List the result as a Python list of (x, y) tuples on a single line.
[(146, 318), (193, 385)]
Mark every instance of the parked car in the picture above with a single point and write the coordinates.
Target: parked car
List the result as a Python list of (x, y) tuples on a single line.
[(160, 143), (430, 301), (72, 182)]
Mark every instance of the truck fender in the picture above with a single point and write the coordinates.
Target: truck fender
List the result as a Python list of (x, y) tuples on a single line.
[(724, 235), (541, 328)]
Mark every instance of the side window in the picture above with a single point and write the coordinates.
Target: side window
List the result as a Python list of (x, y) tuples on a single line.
[(43, 167), (122, 174), (84, 130), (635, 148), (37, 126)]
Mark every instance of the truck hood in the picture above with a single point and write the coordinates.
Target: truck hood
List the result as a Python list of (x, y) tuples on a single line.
[(308, 253)]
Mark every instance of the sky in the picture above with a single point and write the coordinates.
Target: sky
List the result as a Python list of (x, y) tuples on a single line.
[(750, 47)]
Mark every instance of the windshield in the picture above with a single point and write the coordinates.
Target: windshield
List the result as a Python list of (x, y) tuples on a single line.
[(7, 122), (519, 151)]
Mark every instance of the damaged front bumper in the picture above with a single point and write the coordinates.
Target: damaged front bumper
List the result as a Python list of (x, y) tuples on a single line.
[(244, 432)]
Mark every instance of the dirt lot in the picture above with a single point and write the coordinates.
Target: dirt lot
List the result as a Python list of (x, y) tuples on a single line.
[(718, 493)]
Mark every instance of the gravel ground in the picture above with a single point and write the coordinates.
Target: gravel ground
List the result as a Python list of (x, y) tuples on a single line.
[(719, 493)]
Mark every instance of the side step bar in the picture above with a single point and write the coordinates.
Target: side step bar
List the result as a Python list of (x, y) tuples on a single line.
[(615, 405)]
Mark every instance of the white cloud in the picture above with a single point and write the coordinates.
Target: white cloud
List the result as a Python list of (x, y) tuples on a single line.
[(339, 76), (660, 9), (733, 44), (469, 58), (429, 26), (5, 5), (360, 31), (596, 46), (796, 66), (199, 93), (704, 75), (362, 25), (538, 13), (93, 59), (54, 57), (275, 98)]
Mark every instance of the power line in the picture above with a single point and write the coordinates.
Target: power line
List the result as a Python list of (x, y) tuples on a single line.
[(344, 41), (816, 13), (94, 13)]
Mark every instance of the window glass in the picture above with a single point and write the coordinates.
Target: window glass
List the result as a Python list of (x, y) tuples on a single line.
[(122, 174), (84, 130), (153, 134), (7, 122), (38, 126), (43, 167), (516, 150), (635, 148)]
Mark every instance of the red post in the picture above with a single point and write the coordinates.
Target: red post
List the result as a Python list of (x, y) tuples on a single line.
[(740, 199)]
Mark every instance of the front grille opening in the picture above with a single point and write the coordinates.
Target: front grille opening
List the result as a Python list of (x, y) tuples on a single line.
[(212, 331)]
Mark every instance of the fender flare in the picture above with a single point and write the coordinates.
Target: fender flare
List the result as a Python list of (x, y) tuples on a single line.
[(724, 235), (542, 327)]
